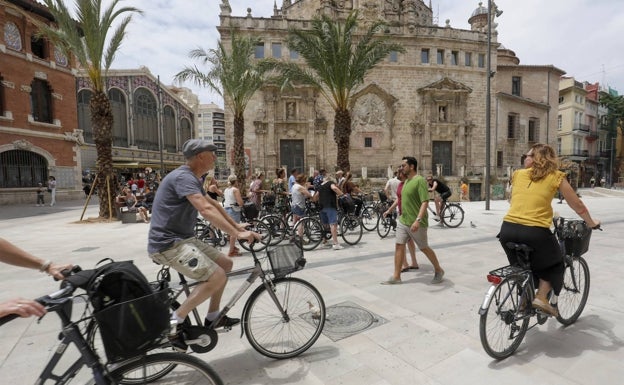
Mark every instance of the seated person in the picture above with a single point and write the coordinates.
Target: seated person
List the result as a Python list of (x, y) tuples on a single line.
[(131, 203)]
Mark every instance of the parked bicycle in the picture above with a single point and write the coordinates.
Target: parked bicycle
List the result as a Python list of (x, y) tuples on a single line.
[(137, 369), (506, 310), (282, 318)]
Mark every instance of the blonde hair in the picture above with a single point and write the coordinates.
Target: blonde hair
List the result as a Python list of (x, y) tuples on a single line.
[(544, 161)]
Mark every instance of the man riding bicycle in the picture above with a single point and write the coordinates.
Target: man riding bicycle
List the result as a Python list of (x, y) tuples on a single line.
[(443, 193), (172, 242)]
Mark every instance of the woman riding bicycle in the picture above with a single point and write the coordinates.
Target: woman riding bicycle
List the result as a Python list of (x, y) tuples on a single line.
[(444, 192), (530, 216)]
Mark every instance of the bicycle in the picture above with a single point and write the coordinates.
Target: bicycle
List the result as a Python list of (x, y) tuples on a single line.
[(451, 214), (131, 370), (506, 310), (282, 318)]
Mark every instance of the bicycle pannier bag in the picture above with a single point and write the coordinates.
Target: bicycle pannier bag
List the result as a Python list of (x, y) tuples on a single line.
[(250, 210)]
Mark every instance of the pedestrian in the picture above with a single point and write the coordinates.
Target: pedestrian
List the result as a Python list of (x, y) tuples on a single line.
[(391, 186), (592, 182), (292, 178), (463, 188), (299, 194), (413, 221), (233, 204), (328, 191), (52, 190), (40, 192)]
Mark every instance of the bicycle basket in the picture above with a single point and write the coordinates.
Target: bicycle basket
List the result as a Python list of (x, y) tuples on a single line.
[(286, 259), (576, 235), (133, 327)]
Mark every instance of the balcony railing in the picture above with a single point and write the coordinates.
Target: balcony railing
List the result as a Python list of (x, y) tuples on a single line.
[(581, 127)]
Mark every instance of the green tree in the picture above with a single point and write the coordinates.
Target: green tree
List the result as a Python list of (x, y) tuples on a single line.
[(337, 56), (615, 105), (86, 37), (236, 76)]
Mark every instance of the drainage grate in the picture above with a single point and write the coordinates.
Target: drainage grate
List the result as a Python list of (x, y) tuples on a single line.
[(84, 249), (347, 319)]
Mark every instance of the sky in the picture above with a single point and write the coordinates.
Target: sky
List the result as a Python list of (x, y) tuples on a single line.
[(581, 37)]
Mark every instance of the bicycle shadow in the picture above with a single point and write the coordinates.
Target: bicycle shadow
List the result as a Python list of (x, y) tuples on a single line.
[(589, 333), (251, 367)]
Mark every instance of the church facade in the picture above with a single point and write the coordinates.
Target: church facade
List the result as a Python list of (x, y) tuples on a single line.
[(429, 102)]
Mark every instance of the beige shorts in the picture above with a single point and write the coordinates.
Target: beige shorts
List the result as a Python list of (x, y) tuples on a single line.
[(403, 233), (191, 257)]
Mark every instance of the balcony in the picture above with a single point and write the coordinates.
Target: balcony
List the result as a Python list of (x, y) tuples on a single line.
[(581, 127)]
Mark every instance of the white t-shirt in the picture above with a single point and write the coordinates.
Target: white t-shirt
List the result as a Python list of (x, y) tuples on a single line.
[(391, 186)]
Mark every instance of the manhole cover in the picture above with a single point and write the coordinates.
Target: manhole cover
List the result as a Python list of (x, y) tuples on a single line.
[(348, 318), (83, 249)]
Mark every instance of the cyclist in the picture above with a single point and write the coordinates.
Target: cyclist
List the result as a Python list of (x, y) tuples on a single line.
[(443, 192), (530, 216), (13, 255), (171, 239)]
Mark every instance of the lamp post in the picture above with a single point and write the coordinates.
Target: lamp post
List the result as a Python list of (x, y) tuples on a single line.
[(611, 162), (489, 75), (161, 138)]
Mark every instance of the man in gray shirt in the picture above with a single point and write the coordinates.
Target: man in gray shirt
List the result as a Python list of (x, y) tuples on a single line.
[(171, 240)]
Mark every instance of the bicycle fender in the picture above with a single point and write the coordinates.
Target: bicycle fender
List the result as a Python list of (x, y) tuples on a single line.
[(486, 300)]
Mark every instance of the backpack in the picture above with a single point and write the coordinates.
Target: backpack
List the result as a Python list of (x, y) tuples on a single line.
[(131, 314)]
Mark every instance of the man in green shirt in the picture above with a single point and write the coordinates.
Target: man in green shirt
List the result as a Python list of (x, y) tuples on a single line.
[(413, 221)]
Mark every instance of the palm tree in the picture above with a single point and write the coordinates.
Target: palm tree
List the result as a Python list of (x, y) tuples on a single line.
[(87, 39), (235, 76), (337, 61)]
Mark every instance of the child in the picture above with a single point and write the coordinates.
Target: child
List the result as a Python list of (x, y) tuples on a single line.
[(40, 192)]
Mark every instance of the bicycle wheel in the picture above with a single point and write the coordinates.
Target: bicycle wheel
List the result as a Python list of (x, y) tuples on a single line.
[(152, 373), (351, 229), (453, 215), (209, 236), (504, 323), (277, 226), (383, 226), (310, 231), (369, 218), (186, 369), (573, 295), (288, 334), (265, 235)]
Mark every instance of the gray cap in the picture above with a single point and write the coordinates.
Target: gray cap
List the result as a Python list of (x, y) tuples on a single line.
[(193, 147)]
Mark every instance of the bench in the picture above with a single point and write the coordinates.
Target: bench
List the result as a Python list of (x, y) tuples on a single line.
[(123, 213)]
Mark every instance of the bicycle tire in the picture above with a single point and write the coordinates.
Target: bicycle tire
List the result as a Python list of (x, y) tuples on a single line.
[(383, 226), (209, 236), (351, 229), (265, 235), (310, 232), (95, 342), (274, 336), (277, 226), (186, 369), (369, 218), (503, 325), (573, 296), (452, 215)]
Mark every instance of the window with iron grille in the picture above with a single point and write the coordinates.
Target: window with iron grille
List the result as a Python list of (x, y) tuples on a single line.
[(368, 142), (169, 129), (512, 125), (499, 159), (533, 130), (516, 85), (41, 101), (120, 117), (20, 168), (145, 120), (84, 115)]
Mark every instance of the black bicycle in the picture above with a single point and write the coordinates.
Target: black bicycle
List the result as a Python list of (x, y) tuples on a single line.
[(137, 369), (506, 310)]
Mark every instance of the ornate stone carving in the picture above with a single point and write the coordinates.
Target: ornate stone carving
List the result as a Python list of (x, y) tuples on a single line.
[(369, 114), (75, 136), (22, 144), (26, 88)]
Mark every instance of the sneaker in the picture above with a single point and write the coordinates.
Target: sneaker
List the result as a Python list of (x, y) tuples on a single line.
[(392, 281), (176, 337), (337, 247), (437, 277), (327, 244), (544, 306), (225, 322)]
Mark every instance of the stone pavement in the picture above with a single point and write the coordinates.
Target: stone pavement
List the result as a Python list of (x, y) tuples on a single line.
[(426, 334)]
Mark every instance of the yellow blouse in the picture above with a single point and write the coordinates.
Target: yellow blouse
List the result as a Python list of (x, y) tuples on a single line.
[(531, 202)]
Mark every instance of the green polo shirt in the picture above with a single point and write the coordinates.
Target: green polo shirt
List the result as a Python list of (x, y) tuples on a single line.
[(414, 193)]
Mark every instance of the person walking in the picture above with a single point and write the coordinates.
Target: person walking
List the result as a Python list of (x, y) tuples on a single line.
[(40, 191), (233, 203), (328, 191), (52, 190), (413, 222)]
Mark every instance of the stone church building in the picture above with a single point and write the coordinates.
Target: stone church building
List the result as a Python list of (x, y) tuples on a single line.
[(429, 102)]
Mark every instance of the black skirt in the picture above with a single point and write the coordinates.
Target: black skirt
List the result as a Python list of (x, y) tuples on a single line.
[(546, 259)]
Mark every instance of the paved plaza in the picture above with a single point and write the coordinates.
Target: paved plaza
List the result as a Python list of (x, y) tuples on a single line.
[(420, 333)]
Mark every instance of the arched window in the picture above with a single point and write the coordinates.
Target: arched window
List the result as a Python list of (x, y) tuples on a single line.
[(185, 131), (41, 101), (20, 168), (12, 36), (120, 117), (169, 129), (84, 115), (145, 120)]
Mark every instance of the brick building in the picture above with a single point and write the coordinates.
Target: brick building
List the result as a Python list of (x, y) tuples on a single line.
[(38, 125)]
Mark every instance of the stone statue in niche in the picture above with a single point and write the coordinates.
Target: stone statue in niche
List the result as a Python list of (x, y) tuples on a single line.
[(291, 110), (260, 113), (369, 113), (442, 113)]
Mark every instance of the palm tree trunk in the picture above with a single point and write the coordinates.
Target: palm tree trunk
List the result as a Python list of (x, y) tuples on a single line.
[(239, 152), (102, 120), (342, 136)]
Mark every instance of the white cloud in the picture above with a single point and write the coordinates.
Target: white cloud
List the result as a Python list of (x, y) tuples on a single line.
[(579, 36)]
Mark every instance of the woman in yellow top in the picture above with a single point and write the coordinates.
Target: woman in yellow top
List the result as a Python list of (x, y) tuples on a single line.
[(530, 216)]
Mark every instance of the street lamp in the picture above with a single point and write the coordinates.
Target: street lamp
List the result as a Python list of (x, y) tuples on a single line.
[(489, 75), (161, 136), (611, 162)]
